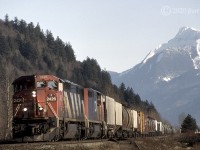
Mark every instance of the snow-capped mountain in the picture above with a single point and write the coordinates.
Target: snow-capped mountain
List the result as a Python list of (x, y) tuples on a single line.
[(169, 76)]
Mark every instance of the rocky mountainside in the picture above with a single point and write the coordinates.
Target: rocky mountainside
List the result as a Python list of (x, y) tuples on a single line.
[(169, 76)]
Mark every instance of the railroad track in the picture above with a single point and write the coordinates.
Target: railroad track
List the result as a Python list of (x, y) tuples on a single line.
[(136, 146), (55, 142), (104, 144), (52, 145)]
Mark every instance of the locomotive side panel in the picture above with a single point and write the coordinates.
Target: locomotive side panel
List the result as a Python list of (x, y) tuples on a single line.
[(73, 102), (93, 104), (100, 107)]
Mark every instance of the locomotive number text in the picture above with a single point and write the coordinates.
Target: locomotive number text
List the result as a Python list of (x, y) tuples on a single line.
[(51, 99)]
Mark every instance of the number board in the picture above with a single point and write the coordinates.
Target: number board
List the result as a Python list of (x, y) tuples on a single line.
[(51, 98)]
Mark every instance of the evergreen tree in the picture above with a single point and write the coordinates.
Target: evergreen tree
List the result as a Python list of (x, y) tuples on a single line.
[(189, 124), (122, 87), (69, 53), (6, 19), (22, 26), (50, 39), (4, 46)]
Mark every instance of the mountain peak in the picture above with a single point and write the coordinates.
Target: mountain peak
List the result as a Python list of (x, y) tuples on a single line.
[(187, 31), (185, 39)]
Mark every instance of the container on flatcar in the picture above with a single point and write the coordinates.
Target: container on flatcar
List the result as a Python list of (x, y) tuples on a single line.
[(160, 127), (118, 114), (109, 116), (156, 125), (141, 122), (150, 126), (110, 111), (135, 120)]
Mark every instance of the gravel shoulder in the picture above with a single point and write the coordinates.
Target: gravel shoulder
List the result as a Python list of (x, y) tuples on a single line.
[(147, 143)]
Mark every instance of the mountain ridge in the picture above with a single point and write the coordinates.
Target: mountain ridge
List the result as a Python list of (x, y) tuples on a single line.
[(168, 72)]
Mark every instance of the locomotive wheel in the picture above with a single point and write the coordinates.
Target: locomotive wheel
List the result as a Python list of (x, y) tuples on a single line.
[(110, 134)]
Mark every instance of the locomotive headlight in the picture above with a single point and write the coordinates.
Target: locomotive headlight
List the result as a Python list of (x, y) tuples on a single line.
[(25, 109), (34, 93), (40, 108)]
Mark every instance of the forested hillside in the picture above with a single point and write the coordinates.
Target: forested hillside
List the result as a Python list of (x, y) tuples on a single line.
[(26, 49)]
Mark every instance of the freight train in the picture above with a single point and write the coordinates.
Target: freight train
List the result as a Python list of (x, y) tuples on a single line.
[(47, 108)]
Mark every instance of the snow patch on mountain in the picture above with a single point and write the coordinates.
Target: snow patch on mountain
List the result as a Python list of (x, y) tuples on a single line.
[(182, 30), (196, 60), (151, 54), (159, 57), (198, 47), (167, 79)]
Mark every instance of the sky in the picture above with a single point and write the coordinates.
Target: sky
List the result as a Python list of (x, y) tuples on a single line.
[(117, 33)]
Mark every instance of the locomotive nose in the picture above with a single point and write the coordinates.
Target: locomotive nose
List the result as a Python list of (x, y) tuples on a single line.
[(23, 104)]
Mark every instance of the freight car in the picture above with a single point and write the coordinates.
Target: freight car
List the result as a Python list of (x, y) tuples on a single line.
[(47, 108)]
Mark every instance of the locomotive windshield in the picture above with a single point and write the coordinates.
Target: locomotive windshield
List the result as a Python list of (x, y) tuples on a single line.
[(41, 84), (23, 85), (51, 84)]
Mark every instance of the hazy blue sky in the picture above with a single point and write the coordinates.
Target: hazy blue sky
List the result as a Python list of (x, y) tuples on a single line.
[(117, 33)]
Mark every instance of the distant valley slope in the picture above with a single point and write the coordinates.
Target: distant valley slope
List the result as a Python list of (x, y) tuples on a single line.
[(169, 76)]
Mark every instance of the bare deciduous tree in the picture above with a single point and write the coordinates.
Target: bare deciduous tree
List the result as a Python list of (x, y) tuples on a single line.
[(6, 78)]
